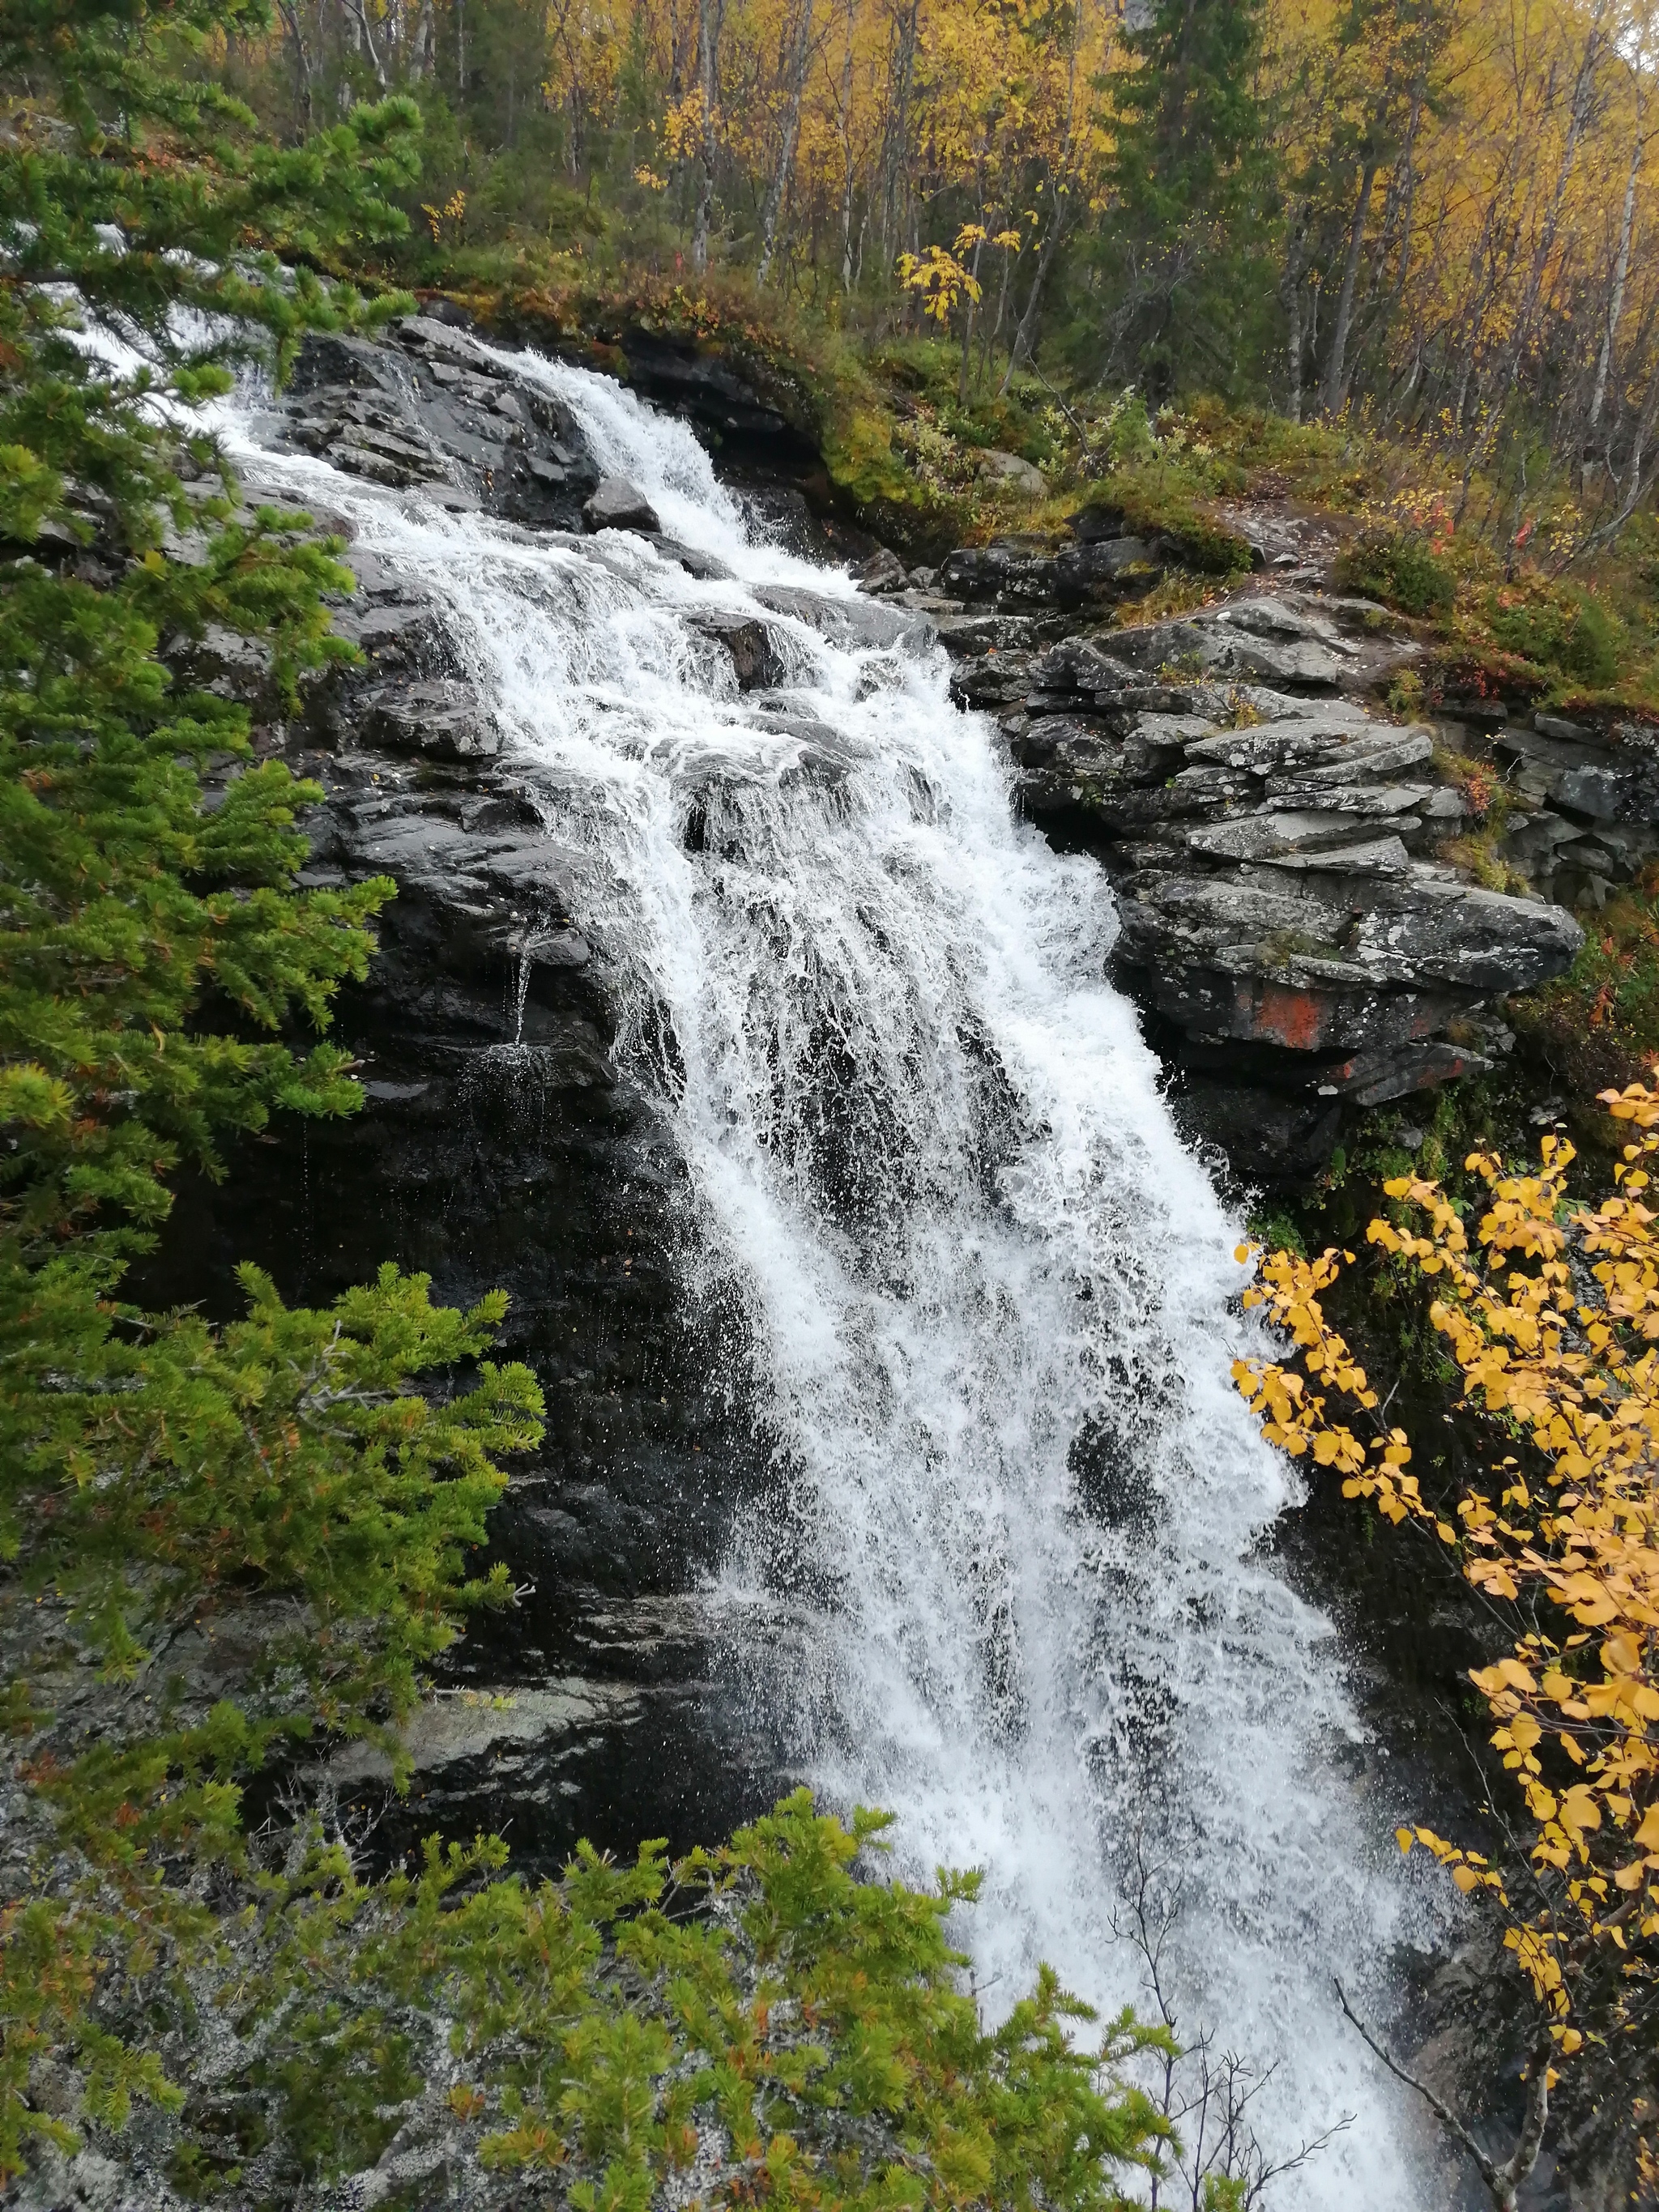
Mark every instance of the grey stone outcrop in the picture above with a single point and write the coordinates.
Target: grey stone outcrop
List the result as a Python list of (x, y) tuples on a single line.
[(1287, 914), (433, 406)]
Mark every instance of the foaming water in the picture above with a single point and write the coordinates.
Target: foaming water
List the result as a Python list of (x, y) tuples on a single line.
[(1007, 1582)]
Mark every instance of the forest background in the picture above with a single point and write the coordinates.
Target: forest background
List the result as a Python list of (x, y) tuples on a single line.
[(1436, 215)]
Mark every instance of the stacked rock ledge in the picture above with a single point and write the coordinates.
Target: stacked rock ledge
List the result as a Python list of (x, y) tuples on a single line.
[(1287, 917)]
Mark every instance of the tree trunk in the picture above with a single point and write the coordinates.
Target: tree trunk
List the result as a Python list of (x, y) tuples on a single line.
[(897, 131), (290, 12), (1620, 276), (1335, 367), (708, 37), (1292, 290), (990, 331), (1027, 329), (426, 41), (1519, 2168), (1408, 196), (1596, 43), (1637, 486), (847, 164), (775, 191), (1503, 2182), (967, 314), (365, 41)]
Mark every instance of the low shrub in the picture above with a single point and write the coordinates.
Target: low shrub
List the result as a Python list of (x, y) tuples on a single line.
[(1599, 1023), (1396, 566), (1565, 630), (1485, 792)]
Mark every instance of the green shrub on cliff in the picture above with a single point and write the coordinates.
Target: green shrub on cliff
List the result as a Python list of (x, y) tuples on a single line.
[(1565, 630), (217, 1543), (156, 958), (762, 2021), (154, 945)]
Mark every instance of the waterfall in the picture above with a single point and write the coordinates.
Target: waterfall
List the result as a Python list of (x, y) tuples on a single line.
[(1008, 1580)]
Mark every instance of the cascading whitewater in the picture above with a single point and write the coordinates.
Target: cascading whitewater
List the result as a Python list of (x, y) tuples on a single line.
[(1007, 1582)]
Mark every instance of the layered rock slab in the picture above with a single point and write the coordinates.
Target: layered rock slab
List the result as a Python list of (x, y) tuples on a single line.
[(432, 406), (1272, 842)]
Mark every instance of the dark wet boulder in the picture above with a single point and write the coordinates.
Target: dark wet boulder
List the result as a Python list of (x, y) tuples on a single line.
[(444, 720), (1098, 521), (1601, 782), (970, 636), (755, 649), (615, 504), (1010, 573), (1015, 573), (992, 679), (720, 396), (883, 572), (706, 568), (853, 623), (1263, 1134), (433, 409), (1108, 568)]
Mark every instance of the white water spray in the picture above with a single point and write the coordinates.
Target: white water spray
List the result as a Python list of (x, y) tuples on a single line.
[(1008, 1584)]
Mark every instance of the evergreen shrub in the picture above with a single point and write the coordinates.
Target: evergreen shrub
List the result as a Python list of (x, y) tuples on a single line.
[(1565, 630), (1397, 567), (224, 1548)]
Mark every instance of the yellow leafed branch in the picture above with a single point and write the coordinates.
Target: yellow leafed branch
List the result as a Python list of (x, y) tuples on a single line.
[(1551, 1311)]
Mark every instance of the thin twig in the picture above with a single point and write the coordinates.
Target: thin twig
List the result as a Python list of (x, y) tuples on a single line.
[(1502, 2180)]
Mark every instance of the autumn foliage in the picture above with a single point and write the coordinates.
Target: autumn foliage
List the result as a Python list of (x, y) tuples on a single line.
[(1550, 1309), (1440, 209)]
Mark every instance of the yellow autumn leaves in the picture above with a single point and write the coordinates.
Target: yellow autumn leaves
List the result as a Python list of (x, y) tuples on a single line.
[(1551, 1311)]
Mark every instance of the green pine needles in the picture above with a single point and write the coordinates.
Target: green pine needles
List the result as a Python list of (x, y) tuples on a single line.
[(223, 1547), (153, 944), (1191, 180), (755, 2023)]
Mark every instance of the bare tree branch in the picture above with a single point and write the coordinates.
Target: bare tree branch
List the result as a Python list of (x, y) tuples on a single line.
[(1504, 2181)]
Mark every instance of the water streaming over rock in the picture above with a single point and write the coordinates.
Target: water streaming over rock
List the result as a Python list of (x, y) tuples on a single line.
[(1007, 1581)]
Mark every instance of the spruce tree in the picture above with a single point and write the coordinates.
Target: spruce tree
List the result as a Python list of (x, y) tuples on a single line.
[(159, 968), (281, 1480), (124, 901), (1181, 244)]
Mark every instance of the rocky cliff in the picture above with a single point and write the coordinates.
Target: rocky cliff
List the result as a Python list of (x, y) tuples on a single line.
[(1286, 920), (498, 1145), (1292, 922)]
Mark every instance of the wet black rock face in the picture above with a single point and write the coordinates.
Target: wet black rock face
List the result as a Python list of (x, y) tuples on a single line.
[(499, 1146), (433, 406), (720, 403)]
